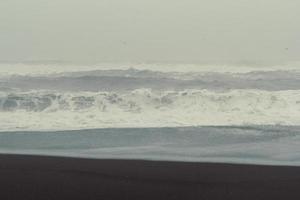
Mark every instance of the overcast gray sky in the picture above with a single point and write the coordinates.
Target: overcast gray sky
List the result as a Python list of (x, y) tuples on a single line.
[(150, 30)]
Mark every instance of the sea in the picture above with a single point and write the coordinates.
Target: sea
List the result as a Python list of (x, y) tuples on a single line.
[(173, 112)]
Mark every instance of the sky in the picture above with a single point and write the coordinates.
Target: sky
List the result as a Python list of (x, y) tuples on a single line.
[(150, 30)]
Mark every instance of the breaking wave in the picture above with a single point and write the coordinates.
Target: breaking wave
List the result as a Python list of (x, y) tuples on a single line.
[(34, 97), (147, 108)]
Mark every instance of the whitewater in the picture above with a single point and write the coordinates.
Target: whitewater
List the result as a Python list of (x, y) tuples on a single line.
[(137, 96)]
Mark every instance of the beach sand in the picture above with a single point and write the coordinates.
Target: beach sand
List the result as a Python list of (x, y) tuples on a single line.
[(42, 178)]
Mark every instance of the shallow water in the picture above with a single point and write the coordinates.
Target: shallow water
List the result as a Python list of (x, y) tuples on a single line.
[(276, 145)]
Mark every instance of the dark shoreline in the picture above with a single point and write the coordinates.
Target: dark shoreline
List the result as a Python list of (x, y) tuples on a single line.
[(45, 177)]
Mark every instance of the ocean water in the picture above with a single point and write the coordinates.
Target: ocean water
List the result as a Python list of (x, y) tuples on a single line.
[(235, 114), (274, 145)]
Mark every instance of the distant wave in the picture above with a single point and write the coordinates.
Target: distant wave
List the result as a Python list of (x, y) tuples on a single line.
[(131, 79), (42, 69), (147, 108)]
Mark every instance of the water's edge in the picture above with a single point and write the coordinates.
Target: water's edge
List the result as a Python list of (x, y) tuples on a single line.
[(271, 145)]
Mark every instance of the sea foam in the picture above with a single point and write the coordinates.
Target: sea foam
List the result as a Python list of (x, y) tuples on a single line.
[(45, 110), (61, 97)]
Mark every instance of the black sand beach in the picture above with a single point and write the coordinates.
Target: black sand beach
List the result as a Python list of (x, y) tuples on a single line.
[(40, 177)]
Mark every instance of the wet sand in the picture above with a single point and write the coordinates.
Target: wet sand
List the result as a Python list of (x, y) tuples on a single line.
[(44, 177)]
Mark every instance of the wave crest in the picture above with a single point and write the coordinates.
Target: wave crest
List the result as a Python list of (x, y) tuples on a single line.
[(147, 108)]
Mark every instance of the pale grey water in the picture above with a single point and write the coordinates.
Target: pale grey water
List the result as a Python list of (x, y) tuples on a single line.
[(124, 80), (277, 145)]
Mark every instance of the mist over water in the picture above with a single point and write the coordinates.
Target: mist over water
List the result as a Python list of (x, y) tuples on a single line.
[(190, 31)]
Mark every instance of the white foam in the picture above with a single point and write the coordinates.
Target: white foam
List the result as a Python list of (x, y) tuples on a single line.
[(146, 108)]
